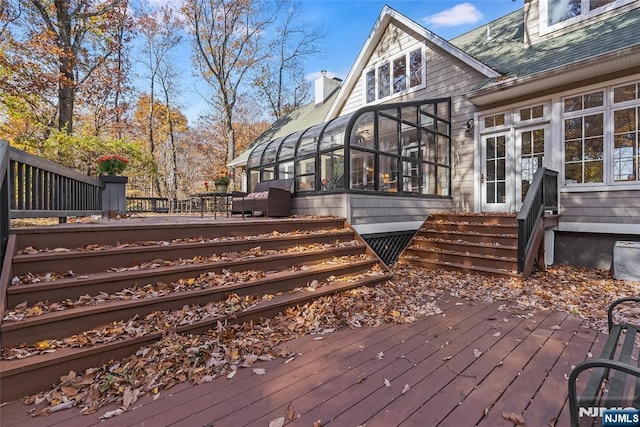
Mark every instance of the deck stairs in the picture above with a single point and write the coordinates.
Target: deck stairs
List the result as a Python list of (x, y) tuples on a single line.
[(72, 280), (480, 243)]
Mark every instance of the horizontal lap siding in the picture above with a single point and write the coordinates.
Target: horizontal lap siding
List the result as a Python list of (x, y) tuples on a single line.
[(371, 209), (613, 207), (331, 205)]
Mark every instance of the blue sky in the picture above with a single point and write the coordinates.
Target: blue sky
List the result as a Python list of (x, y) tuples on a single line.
[(348, 23)]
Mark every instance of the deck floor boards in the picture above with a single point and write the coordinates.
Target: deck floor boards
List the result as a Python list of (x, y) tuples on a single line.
[(339, 378)]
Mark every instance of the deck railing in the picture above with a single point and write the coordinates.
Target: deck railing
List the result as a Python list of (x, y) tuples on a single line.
[(41, 188), (148, 204), (542, 196), (4, 199)]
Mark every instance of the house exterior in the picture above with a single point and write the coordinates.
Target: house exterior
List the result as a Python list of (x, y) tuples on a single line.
[(423, 124)]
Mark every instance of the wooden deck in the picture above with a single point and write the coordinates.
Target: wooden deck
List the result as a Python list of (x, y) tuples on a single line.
[(340, 378)]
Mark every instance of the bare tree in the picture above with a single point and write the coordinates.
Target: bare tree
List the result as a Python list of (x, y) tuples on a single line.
[(281, 80), (161, 33), (228, 40)]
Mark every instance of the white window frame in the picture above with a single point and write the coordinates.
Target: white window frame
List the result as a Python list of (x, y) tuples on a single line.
[(390, 60), (545, 28)]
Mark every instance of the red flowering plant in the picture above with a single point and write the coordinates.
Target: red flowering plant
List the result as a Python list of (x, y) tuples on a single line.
[(222, 178), (112, 164)]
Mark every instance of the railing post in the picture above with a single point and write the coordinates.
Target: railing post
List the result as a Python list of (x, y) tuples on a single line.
[(114, 202)]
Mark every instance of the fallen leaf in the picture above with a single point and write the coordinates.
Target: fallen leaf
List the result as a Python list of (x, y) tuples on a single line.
[(111, 414), (555, 327), (259, 371), (278, 422), (406, 388), (516, 419), (477, 353), (387, 383)]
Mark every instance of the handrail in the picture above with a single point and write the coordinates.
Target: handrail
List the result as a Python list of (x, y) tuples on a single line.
[(4, 199), (541, 196), (41, 188)]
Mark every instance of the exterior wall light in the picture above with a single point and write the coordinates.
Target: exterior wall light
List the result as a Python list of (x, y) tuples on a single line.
[(468, 126)]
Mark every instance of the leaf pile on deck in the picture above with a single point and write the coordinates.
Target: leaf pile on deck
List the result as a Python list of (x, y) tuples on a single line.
[(204, 281), (229, 347), (31, 278), (581, 291), (102, 247)]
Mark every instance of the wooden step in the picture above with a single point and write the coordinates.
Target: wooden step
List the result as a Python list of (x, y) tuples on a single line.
[(463, 259), (463, 246), (60, 324), (111, 282), (466, 227), (33, 374), (452, 266), (487, 238), (88, 261), (475, 218), (109, 233)]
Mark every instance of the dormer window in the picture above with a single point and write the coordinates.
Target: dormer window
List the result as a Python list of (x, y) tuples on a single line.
[(556, 14), (390, 78)]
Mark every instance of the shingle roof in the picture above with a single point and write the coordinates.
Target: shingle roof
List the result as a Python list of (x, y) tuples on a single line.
[(507, 53), (304, 117)]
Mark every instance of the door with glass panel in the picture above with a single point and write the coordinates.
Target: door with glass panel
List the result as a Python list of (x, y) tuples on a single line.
[(530, 144), (497, 188)]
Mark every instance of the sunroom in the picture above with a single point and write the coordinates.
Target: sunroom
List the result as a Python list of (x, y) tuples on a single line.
[(383, 167)]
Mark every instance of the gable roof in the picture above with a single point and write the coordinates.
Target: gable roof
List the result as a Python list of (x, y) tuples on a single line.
[(600, 47), (387, 16)]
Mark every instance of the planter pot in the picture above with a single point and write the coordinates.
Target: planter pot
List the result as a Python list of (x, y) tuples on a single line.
[(222, 188), (114, 202)]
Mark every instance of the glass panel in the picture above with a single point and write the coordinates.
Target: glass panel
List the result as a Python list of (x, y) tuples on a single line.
[(409, 114), (388, 174), (415, 67), (573, 150), (624, 157), (427, 122), (387, 135), (537, 112), (429, 182), (491, 192), (332, 170), (525, 114), (305, 183), (491, 170), (267, 174), (309, 142), (489, 122), (526, 143), (538, 141), (362, 170), (254, 177), (443, 127), (625, 93), (500, 169), (593, 172), (495, 167), (255, 156), (362, 132), (501, 146), (573, 128), (371, 85), (573, 104), (411, 176), (409, 138), (573, 173), (384, 81), (594, 4), (443, 182), (593, 125), (593, 149), (593, 100), (428, 109), (399, 74), (561, 10), (624, 120), (285, 170), (333, 135), (443, 150), (289, 147), (269, 155), (443, 110), (501, 193), (428, 147)]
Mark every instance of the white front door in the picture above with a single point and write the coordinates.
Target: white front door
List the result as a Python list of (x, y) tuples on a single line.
[(497, 174)]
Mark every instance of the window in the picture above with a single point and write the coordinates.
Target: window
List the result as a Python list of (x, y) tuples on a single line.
[(494, 121), (531, 113), (400, 75), (557, 14), (531, 155), (625, 144)]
